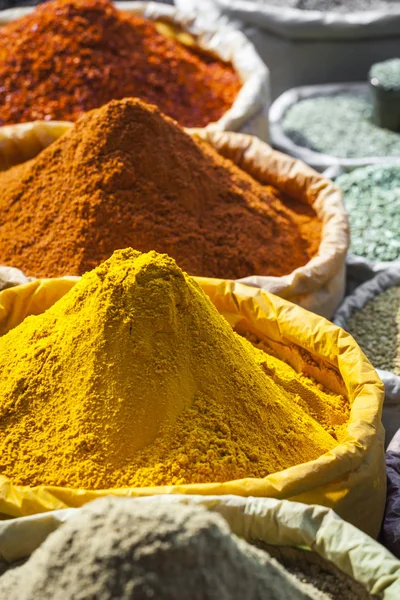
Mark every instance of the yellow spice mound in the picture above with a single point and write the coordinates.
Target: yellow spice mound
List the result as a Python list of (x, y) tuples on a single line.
[(134, 379)]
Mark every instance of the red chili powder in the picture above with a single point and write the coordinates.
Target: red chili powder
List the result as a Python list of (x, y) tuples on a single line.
[(126, 175), (70, 56)]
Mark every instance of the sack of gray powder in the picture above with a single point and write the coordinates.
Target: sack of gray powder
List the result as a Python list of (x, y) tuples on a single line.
[(116, 548)]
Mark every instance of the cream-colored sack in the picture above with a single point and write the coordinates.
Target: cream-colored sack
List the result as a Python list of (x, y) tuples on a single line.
[(307, 47), (19, 143), (319, 285), (351, 478), (249, 112), (273, 522)]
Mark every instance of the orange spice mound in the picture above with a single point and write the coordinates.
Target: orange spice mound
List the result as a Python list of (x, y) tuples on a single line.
[(70, 56), (127, 176)]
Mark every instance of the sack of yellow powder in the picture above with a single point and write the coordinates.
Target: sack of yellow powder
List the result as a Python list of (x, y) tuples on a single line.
[(134, 379), (120, 331)]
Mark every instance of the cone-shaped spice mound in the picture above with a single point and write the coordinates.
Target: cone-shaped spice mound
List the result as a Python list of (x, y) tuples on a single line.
[(127, 176), (134, 379)]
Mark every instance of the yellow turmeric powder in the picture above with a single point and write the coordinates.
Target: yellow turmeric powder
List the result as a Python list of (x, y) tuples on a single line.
[(331, 410), (134, 379)]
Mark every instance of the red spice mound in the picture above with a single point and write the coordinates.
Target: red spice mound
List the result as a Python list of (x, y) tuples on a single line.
[(126, 175), (71, 56)]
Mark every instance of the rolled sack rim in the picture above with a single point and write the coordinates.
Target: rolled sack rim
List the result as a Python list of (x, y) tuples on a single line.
[(314, 25), (297, 179), (277, 320), (384, 279), (228, 45), (317, 160)]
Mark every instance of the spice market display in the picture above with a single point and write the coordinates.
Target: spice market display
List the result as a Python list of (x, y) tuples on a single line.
[(244, 431)]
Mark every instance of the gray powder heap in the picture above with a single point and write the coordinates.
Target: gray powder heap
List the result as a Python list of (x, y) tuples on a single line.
[(376, 329), (387, 74), (372, 200), (116, 548), (310, 567), (340, 126), (341, 6)]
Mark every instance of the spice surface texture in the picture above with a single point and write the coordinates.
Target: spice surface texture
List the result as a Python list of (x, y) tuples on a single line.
[(127, 176), (133, 378), (376, 328), (340, 125), (71, 56), (387, 74), (310, 567), (372, 200)]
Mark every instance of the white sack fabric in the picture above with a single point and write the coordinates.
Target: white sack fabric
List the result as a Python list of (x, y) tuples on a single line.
[(303, 47)]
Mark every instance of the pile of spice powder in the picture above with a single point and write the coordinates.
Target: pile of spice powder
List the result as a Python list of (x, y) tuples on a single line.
[(127, 176), (70, 56), (122, 549), (169, 393), (372, 200), (376, 328), (341, 126)]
